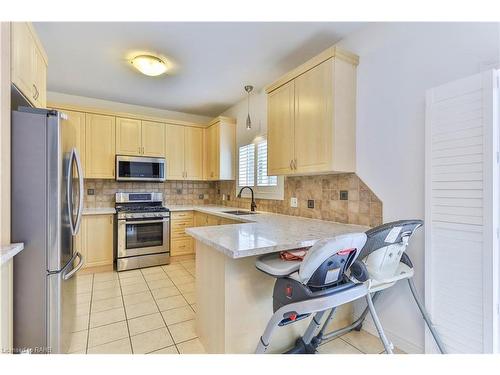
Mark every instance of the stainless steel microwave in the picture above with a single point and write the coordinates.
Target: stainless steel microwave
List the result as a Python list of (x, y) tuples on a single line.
[(139, 168)]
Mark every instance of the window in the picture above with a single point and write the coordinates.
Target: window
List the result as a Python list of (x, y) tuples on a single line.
[(246, 175), (262, 178), (252, 171)]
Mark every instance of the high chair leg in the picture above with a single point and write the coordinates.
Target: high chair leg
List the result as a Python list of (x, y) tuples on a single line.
[(426, 317), (387, 344)]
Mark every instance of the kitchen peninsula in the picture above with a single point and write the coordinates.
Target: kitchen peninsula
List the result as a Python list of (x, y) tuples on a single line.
[(234, 299)]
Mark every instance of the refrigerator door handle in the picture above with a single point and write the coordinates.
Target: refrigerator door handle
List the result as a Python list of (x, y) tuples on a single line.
[(70, 274), (74, 224), (80, 196)]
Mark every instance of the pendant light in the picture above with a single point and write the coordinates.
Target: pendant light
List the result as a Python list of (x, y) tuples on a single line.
[(248, 89)]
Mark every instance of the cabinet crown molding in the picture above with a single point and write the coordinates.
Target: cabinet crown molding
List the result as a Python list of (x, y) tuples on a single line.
[(332, 52)]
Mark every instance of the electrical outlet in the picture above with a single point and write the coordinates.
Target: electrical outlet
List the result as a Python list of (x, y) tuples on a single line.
[(223, 197), (229, 197), (310, 203), (344, 195), (90, 192), (205, 196), (293, 202)]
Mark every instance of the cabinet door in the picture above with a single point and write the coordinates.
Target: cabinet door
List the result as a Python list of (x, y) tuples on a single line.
[(174, 152), (22, 45), (99, 240), (128, 136), (193, 153), (280, 130), (39, 78), (153, 139), (313, 120), (212, 145), (200, 219), (73, 133), (99, 146)]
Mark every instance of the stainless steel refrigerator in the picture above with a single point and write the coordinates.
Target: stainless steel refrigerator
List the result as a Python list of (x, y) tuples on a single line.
[(47, 203)]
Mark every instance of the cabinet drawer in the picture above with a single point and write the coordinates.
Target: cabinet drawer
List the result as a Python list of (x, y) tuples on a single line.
[(182, 215), (181, 247), (181, 224)]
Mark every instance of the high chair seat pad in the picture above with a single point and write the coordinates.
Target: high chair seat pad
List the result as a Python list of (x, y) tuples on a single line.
[(273, 265)]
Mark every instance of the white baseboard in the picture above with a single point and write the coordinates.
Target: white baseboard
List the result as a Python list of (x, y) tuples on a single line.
[(396, 339)]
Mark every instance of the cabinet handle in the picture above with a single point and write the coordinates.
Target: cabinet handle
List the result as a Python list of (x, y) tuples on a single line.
[(295, 163), (291, 164), (139, 150), (143, 150), (36, 94)]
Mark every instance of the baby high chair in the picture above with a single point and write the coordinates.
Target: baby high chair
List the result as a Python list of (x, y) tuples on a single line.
[(381, 262)]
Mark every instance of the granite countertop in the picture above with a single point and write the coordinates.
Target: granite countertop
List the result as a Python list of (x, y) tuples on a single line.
[(99, 211), (264, 232), (7, 252)]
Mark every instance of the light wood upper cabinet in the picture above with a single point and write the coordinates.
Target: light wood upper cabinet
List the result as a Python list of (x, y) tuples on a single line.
[(128, 136), (220, 149), (174, 152), (28, 64), (140, 138), (153, 139), (316, 131), (313, 124), (193, 153), (95, 240), (184, 152), (73, 133), (280, 136), (99, 146)]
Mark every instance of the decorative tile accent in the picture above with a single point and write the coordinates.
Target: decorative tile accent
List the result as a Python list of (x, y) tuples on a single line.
[(362, 207), (190, 191)]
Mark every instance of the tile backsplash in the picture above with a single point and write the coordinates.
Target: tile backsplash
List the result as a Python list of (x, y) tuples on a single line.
[(174, 192), (361, 207)]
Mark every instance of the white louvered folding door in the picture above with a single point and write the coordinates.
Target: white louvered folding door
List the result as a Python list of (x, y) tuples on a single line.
[(461, 214)]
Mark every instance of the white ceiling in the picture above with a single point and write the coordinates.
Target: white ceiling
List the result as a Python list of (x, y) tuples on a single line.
[(212, 61)]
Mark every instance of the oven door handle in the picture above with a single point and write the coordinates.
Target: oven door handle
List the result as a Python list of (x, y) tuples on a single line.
[(140, 221)]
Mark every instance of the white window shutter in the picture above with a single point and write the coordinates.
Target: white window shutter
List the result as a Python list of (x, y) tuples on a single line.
[(246, 167), (461, 214), (262, 178)]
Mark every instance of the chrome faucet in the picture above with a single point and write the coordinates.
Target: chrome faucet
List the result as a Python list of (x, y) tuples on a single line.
[(253, 206)]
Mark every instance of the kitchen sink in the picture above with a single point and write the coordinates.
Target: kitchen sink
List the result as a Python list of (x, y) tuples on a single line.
[(239, 212)]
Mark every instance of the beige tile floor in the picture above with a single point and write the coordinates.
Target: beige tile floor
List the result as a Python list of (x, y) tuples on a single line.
[(152, 310)]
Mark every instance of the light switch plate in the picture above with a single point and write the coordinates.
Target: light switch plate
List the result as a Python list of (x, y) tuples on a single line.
[(293, 202)]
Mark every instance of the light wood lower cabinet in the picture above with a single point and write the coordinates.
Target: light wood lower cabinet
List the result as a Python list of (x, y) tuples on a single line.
[(202, 219), (95, 240), (6, 306), (181, 243)]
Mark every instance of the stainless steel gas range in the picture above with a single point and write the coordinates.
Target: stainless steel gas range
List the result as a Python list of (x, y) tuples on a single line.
[(142, 234)]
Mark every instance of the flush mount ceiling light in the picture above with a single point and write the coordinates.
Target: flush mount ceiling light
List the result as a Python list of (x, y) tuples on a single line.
[(149, 65)]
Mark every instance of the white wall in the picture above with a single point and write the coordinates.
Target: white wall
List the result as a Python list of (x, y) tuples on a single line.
[(398, 63), (61, 98), (258, 115)]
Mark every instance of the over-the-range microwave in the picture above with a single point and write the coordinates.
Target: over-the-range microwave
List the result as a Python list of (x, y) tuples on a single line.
[(139, 168)]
